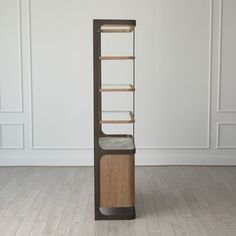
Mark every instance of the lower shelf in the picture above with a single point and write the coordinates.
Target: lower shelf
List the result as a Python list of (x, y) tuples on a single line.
[(117, 213), (116, 143)]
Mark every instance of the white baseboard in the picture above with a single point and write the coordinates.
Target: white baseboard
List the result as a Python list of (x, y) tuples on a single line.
[(140, 160), (47, 160), (186, 160)]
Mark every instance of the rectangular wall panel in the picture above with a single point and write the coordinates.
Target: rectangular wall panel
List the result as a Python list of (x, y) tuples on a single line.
[(12, 136), (175, 74), (10, 56), (61, 76), (227, 94), (226, 135)]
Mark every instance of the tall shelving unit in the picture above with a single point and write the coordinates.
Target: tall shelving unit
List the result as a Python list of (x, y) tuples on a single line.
[(113, 153)]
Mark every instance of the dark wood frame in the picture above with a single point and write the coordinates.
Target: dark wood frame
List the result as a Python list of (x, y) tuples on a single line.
[(121, 213)]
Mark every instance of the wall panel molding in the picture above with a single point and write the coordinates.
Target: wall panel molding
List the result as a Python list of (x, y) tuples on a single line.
[(32, 135), (20, 147), (20, 60), (219, 109), (218, 133), (219, 59), (207, 146)]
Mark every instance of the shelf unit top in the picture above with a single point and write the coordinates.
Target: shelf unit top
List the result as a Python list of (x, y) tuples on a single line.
[(117, 117)]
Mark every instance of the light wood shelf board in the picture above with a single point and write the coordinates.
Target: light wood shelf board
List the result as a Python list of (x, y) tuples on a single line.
[(116, 28), (116, 58), (117, 88)]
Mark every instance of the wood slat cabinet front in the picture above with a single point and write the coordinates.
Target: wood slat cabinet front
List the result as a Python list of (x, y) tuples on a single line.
[(117, 181)]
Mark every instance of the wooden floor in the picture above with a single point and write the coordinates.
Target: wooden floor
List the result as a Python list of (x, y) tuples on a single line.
[(190, 201)]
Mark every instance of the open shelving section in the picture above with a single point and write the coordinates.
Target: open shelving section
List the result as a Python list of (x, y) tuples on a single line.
[(114, 154)]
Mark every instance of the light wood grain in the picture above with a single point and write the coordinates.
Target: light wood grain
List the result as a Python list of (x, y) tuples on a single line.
[(116, 28), (117, 181), (116, 58), (186, 201), (121, 88)]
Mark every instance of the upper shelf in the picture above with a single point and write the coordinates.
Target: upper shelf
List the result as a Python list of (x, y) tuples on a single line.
[(116, 58), (117, 88), (116, 28)]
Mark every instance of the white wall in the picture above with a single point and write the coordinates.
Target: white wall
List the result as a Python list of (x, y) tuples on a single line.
[(185, 80)]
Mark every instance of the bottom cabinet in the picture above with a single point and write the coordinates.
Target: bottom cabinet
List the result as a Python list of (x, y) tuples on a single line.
[(117, 181)]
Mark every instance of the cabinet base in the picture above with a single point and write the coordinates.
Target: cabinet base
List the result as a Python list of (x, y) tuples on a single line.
[(115, 213)]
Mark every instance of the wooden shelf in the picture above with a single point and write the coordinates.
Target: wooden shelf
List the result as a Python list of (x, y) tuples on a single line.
[(116, 28), (116, 58), (117, 88), (117, 117)]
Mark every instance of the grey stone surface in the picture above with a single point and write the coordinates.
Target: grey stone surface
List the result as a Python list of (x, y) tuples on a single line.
[(116, 143)]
